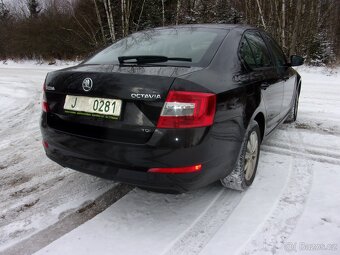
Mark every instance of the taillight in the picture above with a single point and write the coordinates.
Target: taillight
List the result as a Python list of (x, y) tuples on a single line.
[(44, 104), (176, 170), (183, 109)]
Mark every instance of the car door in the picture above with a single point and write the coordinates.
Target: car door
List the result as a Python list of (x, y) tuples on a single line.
[(255, 54), (284, 72)]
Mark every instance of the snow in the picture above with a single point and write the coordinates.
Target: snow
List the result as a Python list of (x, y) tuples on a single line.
[(34, 192), (291, 207), (36, 64)]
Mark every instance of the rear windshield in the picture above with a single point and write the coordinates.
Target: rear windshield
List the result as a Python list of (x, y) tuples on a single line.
[(199, 44)]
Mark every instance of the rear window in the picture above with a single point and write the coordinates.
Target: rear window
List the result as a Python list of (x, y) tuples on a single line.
[(198, 44)]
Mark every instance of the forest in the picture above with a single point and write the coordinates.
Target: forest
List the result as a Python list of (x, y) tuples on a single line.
[(73, 29)]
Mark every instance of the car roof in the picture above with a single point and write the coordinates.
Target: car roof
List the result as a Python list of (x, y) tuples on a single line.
[(212, 26)]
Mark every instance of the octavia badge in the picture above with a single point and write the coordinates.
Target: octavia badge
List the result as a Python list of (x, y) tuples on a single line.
[(87, 84)]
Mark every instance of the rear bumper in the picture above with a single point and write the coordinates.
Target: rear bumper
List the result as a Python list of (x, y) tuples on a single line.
[(129, 163), (161, 182)]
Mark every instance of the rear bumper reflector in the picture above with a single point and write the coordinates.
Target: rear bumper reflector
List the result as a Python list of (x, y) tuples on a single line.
[(176, 170)]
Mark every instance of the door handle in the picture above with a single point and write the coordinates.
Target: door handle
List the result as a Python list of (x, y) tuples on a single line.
[(265, 85)]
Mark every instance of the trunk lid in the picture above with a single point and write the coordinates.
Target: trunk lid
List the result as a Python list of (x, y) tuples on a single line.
[(142, 89)]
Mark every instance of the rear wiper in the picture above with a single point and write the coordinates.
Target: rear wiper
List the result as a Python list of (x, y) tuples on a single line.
[(149, 59)]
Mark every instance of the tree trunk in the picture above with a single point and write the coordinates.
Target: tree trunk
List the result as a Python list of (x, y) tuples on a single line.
[(178, 10), (99, 21), (261, 14), (126, 6), (109, 17), (163, 13), (113, 32), (295, 27), (283, 35), (140, 16), (123, 16)]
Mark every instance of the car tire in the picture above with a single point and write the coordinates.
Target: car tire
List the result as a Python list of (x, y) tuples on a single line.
[(244, 171), (292, 116)]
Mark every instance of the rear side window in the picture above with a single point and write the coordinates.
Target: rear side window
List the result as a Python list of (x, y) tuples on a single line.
[(247, 54), (253, 43)]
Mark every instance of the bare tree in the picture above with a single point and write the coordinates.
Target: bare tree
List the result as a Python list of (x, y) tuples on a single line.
[(261, 14), (307, 27), (178, 8), (126, 6), (283, 39), (163, 13), (109, 18), (140, 15), (99, 20), (296, 24)]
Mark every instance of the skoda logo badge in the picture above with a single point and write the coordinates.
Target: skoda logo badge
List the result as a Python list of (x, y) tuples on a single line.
[(87, 84)]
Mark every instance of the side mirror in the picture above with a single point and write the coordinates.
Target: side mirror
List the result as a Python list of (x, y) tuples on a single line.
[(296, 60)]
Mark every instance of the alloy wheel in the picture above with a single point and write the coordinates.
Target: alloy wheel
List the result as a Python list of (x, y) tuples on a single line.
[(251, 155)]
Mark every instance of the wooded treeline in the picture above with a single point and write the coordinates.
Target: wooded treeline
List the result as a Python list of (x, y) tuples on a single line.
[(66, 29)]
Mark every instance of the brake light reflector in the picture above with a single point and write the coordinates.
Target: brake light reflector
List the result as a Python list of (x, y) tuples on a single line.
[(176, 170), (44, 104), (45, 144), (183, 109)]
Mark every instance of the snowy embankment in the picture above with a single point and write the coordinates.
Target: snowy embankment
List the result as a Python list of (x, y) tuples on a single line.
[(291, 207), (35, 193)]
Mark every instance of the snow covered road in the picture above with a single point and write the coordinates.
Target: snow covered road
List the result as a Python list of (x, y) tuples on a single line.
[(293, 205), (35, 193)]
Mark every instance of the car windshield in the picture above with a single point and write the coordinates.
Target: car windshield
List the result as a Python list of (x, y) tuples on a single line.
[(197, 44)]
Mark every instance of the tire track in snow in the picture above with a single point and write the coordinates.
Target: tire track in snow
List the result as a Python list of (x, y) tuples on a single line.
[(313, 154), (27, 175), (21, 91), (194, 239), (18, 120), (19, 129), (206, 225), (68, 221), (271, 236)]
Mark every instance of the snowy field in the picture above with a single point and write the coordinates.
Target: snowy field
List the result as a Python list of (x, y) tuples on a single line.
[(293, 205)]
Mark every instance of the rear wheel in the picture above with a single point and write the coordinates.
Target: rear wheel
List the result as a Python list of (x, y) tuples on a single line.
[(294, 110), (244, 172)]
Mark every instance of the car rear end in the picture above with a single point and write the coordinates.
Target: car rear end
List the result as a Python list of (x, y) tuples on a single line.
[(128, 123)]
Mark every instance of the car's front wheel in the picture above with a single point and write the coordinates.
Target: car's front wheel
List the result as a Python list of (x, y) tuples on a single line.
[(244, 171)]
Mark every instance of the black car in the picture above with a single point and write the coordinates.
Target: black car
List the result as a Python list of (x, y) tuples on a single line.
[(172, 108)]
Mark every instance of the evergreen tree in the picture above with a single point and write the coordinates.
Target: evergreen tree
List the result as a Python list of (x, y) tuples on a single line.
[(4, 12), (33, 7)]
